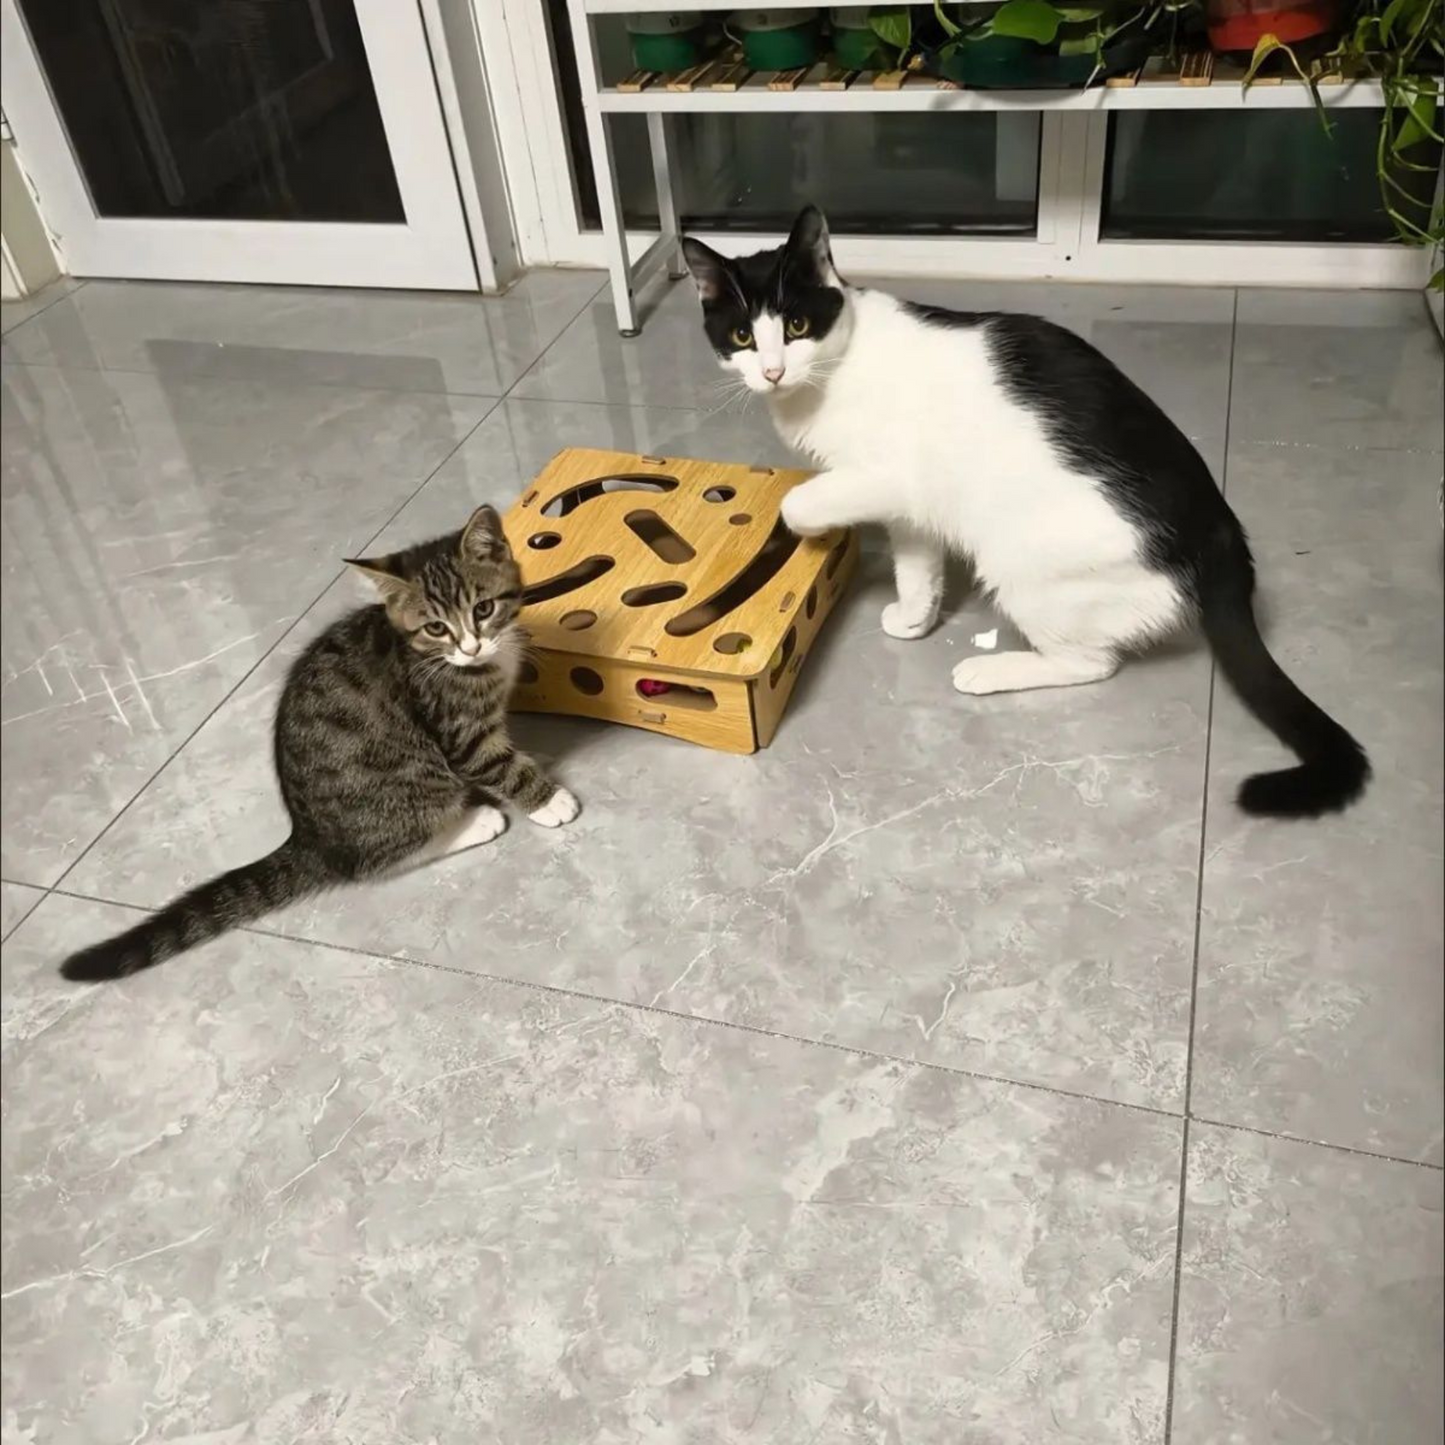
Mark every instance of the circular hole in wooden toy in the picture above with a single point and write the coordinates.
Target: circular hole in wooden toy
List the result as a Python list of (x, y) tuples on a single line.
[(810, 606), (527, 672), (719, 494), (541, 541), (731, 643), (578, 621), (740, 519), (653, 593), (586, 681)]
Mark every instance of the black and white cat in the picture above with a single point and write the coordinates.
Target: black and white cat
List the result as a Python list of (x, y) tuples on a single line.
[(1087, 513)]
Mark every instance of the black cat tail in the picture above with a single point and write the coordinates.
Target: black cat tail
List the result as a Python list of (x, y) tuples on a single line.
[(230, 901), (1333, 768)]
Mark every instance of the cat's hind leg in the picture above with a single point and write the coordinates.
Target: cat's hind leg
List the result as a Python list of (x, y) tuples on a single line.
[(918, 572)]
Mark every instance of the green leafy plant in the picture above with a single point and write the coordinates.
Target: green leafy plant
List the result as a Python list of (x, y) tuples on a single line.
[(893, 25), (1401, 43)]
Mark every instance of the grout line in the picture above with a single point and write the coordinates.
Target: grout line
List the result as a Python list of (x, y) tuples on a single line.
[(1198, 933), (20, 325), (583, 996), (250, 671), (536, 361), (236, 379), (1305, 1142), (401, 961)]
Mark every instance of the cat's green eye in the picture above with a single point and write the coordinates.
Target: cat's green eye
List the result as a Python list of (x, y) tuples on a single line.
[(741, 336), (798, 326), (484, 610), (437, 629)]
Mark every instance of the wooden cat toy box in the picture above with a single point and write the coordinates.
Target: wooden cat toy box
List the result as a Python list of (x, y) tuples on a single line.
[(668, 594)]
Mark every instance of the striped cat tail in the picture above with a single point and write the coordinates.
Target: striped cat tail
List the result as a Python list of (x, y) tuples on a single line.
[(230, 901)]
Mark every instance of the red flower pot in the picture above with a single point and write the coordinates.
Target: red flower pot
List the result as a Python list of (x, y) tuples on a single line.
[(1242, 24)]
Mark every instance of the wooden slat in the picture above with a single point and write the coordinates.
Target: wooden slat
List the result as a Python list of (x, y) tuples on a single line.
[(836, 78), (1127, 81), (889, 79), (639, 80), (1198, 68), (1159, 70), (729, 76), (684, 80), (787, 79)]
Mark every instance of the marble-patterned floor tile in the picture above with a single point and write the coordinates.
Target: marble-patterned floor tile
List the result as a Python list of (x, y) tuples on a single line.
[(1337, 369), (16, 900), (387, 340), (1001, 884), (161, 532), (1175, 343), (1310, 1301), (331, 1199), (12, 313), (1320, 995)]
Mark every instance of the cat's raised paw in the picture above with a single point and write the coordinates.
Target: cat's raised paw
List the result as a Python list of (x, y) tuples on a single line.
[(798, 515), (560, 808), (899, 622)]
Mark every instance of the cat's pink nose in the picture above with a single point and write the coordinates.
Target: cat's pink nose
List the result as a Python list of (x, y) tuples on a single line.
[(773, 374)]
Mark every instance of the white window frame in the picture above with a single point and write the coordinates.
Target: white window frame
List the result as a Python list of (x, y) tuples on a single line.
[(1067, 244), (430, 250)]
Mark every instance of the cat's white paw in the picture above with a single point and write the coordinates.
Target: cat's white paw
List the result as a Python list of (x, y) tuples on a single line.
[(800, 515), (560, 808), (899, 622), (979, 676), (484, 825)]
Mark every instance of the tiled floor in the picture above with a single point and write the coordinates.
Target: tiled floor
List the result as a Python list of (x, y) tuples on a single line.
[(955, 1072)]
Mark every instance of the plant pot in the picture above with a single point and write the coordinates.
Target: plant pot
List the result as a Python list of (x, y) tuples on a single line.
[(1002, 62), (777, 39), (855, 46), (1242, 24), (664, 42)]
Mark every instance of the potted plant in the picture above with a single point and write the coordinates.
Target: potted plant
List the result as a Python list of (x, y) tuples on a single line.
[(666, 41), (777, 39), (1036, 44), (1239, 25)]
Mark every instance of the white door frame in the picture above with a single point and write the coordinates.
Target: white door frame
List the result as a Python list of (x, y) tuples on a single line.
[(431, 250), (1067, 245)]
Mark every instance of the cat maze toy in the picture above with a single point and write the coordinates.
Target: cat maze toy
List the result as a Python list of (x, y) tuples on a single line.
[(667, 594)]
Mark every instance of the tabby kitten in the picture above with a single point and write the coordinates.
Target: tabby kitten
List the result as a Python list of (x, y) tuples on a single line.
[(391, 744)]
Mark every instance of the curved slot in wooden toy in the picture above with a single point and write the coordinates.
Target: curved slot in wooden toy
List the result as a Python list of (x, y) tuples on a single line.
[(584, 572), (586, 681), (543, 541), (652, 593), (731, 643), (810, 604), (578, 621), (835, 556), (567, 502), (780, 658), (697, 699), (770, 560), (660, 537)]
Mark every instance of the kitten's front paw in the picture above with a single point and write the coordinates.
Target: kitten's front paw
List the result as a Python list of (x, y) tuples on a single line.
[(800, 516), (560, 808), (898, 622)]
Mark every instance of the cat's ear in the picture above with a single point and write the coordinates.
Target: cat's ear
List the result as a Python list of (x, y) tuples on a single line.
[(709, 270), (809, 240), (482, 539), (384, 573)]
